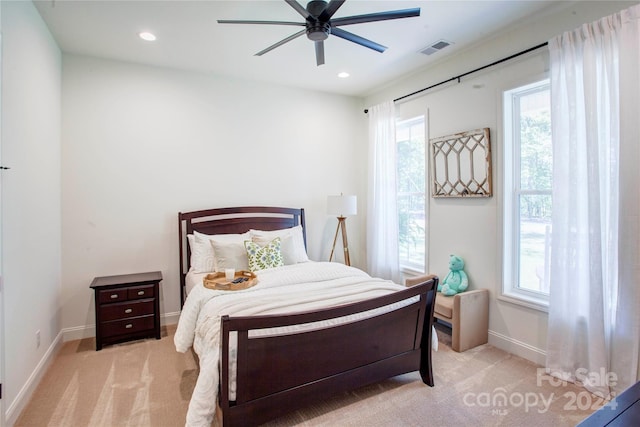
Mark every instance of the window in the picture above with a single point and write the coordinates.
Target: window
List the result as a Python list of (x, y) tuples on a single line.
[(528, 160), (411, 194)]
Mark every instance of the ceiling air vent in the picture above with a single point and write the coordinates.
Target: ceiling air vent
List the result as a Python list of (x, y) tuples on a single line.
[(435, 47)]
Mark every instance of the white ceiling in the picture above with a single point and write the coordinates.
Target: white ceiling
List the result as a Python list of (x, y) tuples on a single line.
[(188, 37)]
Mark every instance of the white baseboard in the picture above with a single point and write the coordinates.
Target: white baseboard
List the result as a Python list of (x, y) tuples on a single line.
[(78, 332), (170, 318), (519, 348), (24, 395)]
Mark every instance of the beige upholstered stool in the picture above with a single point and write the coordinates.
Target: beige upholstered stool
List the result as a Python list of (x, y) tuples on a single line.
[(467, 313)]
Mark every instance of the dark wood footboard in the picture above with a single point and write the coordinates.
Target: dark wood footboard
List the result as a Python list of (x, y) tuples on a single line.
[(277, 374)]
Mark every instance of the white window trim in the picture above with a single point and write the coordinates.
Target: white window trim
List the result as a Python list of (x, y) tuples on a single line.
[(510, 292)]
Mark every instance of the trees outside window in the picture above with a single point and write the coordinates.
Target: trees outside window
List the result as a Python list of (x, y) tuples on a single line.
[(410, 138)]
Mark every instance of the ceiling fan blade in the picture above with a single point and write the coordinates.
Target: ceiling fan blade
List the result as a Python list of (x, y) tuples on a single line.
[(372, 17), (281, 42), (298, 7), (227, 21), (331, 8), (338, 32), (320, 52)]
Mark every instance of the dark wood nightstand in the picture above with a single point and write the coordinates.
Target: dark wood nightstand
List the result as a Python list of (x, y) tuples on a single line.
[(127, 307), (624, 410)]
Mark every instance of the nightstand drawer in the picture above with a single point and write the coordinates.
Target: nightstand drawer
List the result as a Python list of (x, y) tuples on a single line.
[(112, 295), (127, 326), (144, 291), (122, 310)]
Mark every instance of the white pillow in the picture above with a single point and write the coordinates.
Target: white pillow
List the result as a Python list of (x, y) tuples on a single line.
[(203, 258), (229, 254), (293, 250), (191, 239), (201, 254)]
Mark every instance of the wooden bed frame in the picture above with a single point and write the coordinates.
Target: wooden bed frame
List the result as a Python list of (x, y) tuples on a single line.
[(277, 374)]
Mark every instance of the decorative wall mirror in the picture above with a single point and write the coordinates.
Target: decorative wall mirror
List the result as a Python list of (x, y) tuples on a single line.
[(461, 164)]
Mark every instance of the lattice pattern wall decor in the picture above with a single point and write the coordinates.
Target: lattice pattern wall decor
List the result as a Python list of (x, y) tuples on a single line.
[(461, 164)]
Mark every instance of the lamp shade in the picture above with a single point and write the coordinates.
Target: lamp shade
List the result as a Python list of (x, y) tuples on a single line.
[(342, 205)]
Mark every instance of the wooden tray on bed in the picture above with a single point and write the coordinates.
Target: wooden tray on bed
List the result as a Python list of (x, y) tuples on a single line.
[(219, 282)]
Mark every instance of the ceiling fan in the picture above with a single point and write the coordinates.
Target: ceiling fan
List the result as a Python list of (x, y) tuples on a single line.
[(319, 25)]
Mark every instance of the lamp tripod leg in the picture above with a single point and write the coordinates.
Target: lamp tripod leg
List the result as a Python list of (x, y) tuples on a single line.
[(343, 225), (335, 239), (347, 261)]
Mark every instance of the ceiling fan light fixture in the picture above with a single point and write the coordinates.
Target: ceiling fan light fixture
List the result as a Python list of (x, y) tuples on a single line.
[(318, 31)]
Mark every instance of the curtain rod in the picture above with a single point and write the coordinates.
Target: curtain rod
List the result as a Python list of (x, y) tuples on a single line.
[(499, 61)]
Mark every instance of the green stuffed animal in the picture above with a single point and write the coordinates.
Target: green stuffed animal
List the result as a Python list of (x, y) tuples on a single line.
[(456, 281)]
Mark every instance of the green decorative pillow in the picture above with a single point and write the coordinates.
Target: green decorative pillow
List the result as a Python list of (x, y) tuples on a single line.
[(261, 258)]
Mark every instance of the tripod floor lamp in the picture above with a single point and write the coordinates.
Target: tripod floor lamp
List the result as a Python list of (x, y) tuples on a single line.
[(342, 206)]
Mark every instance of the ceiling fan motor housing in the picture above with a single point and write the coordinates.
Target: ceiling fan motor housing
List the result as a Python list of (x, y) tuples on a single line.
[(317, 30), (316, 7)]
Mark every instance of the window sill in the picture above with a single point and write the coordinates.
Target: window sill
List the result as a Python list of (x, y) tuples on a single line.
[(410, 271), (525, 301)]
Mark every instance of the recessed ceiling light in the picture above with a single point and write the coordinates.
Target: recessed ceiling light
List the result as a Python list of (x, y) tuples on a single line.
[(145, 35), (343, 75)]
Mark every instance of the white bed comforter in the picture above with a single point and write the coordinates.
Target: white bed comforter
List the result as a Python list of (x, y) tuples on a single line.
[(307, 286)]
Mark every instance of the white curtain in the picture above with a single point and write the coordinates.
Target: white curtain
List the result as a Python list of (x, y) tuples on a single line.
[(382, 213), (594, 310)]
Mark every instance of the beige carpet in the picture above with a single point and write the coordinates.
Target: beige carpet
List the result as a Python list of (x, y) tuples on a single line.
[(147, 383)]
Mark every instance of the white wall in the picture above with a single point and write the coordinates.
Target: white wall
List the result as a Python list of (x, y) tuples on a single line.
[(471, 228), (140, 144), (31, 218)]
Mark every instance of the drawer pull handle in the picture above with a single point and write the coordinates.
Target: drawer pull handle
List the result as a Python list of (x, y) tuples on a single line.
[(128, 326), (114, 296), (128, 310), (140, 292)]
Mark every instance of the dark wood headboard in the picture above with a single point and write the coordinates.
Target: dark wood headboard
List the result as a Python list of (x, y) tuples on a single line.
[(236, 220)]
